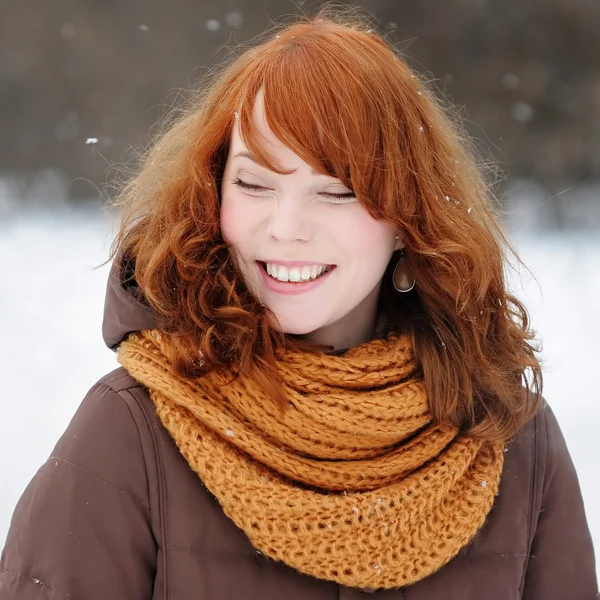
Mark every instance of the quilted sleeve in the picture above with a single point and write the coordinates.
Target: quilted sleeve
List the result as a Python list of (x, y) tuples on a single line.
[(561, 563), (82, 527)]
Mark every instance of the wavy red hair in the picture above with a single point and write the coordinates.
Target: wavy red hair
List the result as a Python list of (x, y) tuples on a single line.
[(346, 102)]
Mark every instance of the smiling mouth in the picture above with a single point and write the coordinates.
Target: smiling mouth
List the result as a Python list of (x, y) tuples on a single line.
[(296, 275)]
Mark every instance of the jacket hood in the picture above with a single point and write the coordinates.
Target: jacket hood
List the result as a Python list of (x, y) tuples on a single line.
[(125, 308)]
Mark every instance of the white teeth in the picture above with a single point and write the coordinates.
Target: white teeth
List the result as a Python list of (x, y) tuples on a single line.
[(295, 274), (281, 273)]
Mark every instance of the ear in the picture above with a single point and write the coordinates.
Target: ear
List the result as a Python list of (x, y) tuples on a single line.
[(399, 242)]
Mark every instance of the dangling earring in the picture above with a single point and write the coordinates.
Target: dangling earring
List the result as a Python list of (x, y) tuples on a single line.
[(403, 277)]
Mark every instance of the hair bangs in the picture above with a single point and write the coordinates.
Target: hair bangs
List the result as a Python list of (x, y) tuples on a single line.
[(330, 113)]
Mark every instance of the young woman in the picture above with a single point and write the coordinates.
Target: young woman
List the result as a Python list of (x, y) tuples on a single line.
[(326, 389)]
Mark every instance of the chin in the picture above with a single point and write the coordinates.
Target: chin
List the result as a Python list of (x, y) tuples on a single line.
[(296, 327)]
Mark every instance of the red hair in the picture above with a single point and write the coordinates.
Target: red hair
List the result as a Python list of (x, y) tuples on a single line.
[(342, 98)]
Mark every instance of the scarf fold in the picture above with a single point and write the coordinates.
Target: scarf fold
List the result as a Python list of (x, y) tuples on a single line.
[(352, 483)]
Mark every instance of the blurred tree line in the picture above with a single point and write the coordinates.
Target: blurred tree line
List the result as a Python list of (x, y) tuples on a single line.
[(82, 81)]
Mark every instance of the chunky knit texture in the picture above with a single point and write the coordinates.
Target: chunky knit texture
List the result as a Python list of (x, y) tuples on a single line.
[(353, 483)]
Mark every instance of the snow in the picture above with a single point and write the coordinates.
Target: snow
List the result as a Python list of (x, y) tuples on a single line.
[(234, 19), (523, 112), (511, 81), (51, 304)]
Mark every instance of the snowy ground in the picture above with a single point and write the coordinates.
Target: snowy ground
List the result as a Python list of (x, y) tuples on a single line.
[(51, 303)]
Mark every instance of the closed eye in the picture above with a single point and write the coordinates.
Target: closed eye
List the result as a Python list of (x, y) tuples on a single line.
[(344, 196), (251, 187)]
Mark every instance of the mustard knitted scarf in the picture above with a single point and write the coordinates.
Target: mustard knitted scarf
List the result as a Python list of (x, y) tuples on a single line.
[(353, 483)]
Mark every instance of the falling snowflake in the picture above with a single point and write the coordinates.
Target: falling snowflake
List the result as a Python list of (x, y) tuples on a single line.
[(511, 81), (234, 19), (67, 31), (523, 112), (144, 28), (213, 25), (91, 140)]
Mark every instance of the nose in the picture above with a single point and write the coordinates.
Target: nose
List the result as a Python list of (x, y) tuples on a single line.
[(288, 221)]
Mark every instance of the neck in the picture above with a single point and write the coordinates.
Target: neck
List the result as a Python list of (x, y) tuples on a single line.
[(355, 328)]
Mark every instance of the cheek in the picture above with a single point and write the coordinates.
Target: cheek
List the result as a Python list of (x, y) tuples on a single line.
[(234, 218), (363, 235)]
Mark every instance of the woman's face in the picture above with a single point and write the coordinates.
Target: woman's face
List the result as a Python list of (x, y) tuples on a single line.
[(306, 247)]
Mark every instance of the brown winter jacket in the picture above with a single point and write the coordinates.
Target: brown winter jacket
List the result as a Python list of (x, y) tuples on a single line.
[(117, 514)]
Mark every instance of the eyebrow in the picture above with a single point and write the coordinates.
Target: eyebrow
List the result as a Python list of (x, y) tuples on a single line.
[(248, 155)]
